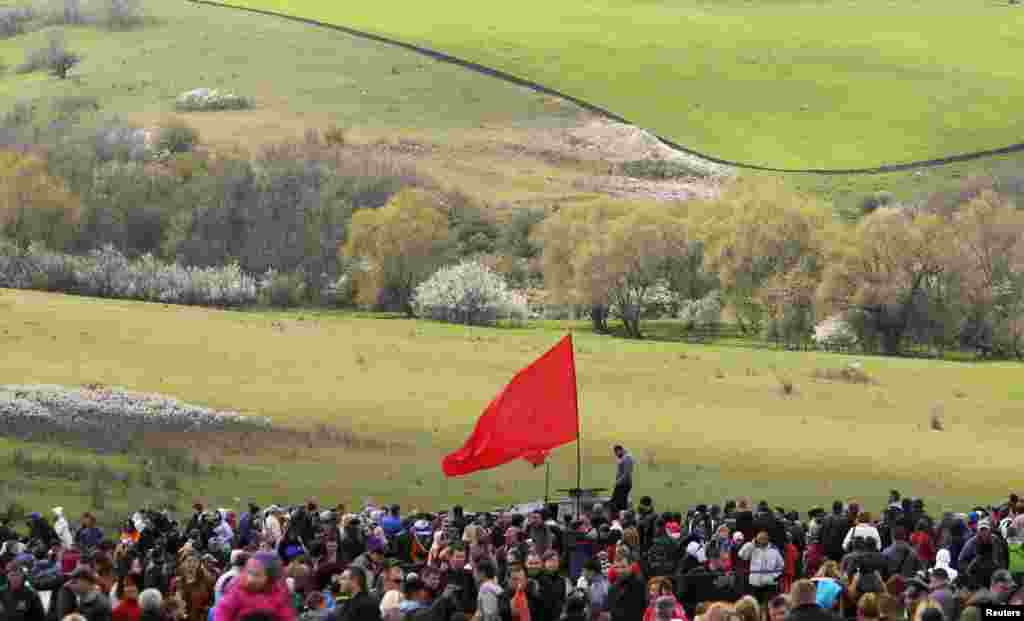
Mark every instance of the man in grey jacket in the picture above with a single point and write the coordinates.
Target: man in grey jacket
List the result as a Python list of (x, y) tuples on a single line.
[(623, 479)]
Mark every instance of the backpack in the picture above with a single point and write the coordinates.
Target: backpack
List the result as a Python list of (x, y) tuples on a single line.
[(1015, 556), (662, 559)]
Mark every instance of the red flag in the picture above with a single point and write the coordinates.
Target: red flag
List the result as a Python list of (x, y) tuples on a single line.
[(533, 414), (536, 459)]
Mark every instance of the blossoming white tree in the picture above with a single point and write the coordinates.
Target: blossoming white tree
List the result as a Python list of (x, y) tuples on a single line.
[(468, 293)]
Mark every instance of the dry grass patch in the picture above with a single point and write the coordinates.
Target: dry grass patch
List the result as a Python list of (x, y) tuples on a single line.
[(851, 374)]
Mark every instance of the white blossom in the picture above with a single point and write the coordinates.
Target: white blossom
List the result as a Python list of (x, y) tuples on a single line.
[(468, 293)]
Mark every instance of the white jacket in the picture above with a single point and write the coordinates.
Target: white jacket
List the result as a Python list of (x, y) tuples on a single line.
[(62, 529), (863, 530), (766, 564), (272, 529)]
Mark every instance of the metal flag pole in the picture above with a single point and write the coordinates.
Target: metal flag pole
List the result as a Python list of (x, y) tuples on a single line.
[(579, 459), (547, 481)]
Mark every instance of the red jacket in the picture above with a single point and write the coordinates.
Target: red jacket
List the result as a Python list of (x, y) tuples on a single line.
[(922, 543), (679, 613), (127, 610), (238, 602)]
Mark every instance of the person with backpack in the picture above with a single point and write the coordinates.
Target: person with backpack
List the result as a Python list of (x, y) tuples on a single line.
[(663, 555), (901, 557), (1015, 554), (833, 532)]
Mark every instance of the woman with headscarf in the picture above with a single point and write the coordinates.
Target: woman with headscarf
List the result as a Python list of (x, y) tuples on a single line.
[(63, 529), (259, 588), (942, 560)]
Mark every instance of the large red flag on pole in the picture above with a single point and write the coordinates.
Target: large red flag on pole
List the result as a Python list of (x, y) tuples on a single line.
[(533, 414)]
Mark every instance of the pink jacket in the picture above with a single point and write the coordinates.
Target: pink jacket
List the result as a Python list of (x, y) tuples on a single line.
[(238, 602)]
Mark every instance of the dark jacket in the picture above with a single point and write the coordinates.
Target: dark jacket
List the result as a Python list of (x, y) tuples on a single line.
[(745, 524), (663, 557), (62, 603), (902, 559), (811, 612), (627, 599), (465, 598), (96, 607), (21, 605), (552, 594), (362, 607), (833, 532)]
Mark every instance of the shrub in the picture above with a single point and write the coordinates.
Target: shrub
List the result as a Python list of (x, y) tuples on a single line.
[(335, 136), (107, 273), (658, 169), (205, 99), (123, 14), (702, 314), (21, 114), (874, 201), (115, 140), (176, 136), (835, 334), (283, 289), (70, 108), (468, 293), (851, 374), (55, 58), (13, 20)]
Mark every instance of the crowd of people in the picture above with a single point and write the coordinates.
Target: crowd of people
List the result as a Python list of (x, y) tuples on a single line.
[(734, 562)]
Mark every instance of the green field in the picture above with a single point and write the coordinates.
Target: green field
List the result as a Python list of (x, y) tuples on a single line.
[(704, 422), (477, 130), (792, 84)]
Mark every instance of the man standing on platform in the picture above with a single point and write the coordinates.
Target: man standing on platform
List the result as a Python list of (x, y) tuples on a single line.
[(623, 479)]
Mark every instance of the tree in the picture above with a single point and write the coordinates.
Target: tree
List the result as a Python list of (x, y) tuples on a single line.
[(888, 271), (611, 256), (756, 234), (400, 245), (989, 261), (35, 206)]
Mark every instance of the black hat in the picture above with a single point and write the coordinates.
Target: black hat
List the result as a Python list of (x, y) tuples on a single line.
[(83, 573), (413, 585)]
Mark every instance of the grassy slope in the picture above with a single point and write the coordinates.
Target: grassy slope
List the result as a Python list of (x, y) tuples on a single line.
[(309, 77), (422, 385), (303, 78), (786, 84)]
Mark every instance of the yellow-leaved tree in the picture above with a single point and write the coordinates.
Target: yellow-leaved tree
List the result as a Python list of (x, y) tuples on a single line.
[(611, 256), (35, 206), (398, 246), (768, 246)]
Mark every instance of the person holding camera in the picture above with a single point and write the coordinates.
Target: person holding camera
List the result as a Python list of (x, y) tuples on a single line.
[(766, 566)]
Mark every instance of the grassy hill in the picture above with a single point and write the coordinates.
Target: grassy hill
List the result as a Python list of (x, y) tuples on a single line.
[(701, 420), (469, 131), (789, 84)]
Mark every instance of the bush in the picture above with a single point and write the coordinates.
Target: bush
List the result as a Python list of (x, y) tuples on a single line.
[(119, 141), (875, 201), (176, 136), (851, 374), (283, 289), (205, 99), (468, 293), (70, 108), (834, 334), (107, 273), (702, 314), (55, 58), (123, 14), (658, 169), (13, 20)]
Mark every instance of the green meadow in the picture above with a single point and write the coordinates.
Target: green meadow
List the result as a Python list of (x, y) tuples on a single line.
[(788, 84), (704, 421)]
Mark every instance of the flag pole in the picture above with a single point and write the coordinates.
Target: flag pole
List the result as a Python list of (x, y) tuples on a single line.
[(547, 481), (576, 394)]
